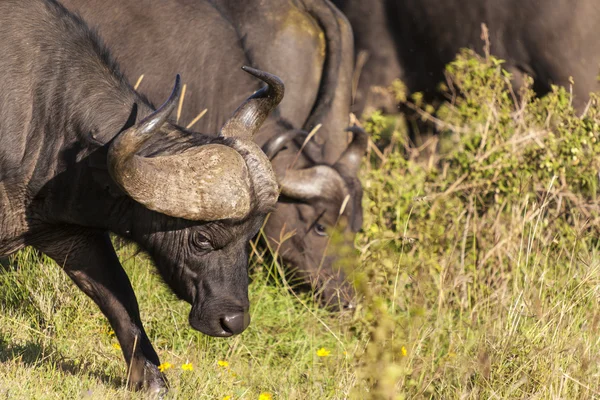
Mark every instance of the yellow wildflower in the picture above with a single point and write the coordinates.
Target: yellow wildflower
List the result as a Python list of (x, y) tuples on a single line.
[(165, 366), (223, 363), (265, 396), (403, 351), (116, 346), (111, 332), (323, 352), (227, 398), (187, 367)]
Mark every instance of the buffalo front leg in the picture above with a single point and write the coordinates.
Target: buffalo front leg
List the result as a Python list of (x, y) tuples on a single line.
[(91, 262)]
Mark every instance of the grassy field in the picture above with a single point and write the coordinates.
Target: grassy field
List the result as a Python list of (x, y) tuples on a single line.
[(479, 278)]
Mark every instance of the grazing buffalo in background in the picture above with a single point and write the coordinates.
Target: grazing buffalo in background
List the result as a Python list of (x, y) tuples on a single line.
[(414, 39), (307, 43), (83, 155)]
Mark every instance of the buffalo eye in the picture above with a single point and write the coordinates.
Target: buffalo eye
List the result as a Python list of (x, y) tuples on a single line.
[(320, 229), (202, 242)]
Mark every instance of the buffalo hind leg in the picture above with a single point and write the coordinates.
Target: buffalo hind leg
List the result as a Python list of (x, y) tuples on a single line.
[(91, 262)]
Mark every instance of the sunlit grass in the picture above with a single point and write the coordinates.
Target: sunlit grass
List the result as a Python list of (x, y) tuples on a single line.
[(479, 276), (55, 342), (454, 333)]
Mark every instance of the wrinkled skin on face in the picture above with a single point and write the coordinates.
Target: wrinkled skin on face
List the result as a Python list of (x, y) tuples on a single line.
[(203, 259), (302, 235), (313, 229), (206, 265)]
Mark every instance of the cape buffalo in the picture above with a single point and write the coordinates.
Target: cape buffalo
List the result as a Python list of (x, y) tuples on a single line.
[(414, 39), (308, 43), (83, 154)]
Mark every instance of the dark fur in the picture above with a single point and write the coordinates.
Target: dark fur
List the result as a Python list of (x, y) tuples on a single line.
[(62, 100), (414, 39), (308, 43)]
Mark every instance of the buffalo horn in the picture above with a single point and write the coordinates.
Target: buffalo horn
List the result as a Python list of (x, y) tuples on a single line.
[(249, 117), (349, 162), (279, 141), (131, 140), (310, 183), (202, 183)]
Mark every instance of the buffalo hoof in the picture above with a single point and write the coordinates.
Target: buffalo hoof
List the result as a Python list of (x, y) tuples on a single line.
[(151, 381), (158, 393)]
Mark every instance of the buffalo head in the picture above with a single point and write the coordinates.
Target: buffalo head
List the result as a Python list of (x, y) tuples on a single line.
[(318, 213), (203, 199)]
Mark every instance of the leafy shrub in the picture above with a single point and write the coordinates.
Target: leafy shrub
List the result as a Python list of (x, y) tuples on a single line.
[(475, 256)]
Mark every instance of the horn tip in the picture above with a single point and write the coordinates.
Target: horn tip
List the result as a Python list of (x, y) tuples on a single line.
[(252, 71), (177, 83), (265, 77), (355, 129)]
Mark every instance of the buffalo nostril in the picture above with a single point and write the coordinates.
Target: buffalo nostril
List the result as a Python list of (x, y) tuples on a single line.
[(235, 323)]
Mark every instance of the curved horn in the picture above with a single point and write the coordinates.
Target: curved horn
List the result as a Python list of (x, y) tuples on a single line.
[(130, 140), (279, 141), (248, 118), (309, 183), (158, 117), (349, 162), (202, 183)]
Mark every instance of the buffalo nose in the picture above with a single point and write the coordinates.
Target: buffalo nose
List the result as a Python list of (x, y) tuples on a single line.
[(235, 323)]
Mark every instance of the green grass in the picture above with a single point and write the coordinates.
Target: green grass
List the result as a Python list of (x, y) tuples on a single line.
[(479, 275), (55, 343)]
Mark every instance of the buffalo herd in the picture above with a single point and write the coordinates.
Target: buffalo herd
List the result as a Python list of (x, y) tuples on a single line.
[(551, 41), (85, 153)]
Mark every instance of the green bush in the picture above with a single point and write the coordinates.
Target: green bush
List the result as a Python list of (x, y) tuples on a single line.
[(482, 261)]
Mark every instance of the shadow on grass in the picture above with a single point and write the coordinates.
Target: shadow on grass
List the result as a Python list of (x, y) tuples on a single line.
[(6, 265), (34, 354)]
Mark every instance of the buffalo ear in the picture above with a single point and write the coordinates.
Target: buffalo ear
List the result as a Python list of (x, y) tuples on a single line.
[(97, 160), (103, 179), (97, 163)]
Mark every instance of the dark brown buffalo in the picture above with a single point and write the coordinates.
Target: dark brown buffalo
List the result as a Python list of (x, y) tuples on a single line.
[(414, 39), (82, 154), (308, 43)]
